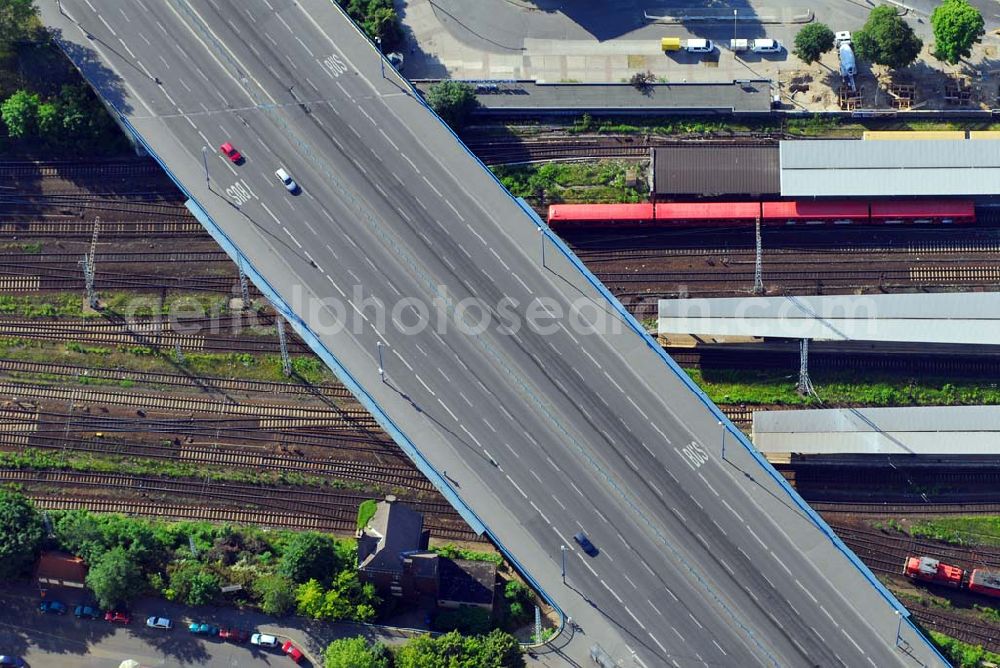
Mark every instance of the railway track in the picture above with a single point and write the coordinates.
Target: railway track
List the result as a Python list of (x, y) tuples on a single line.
[(896, 548), (29, 260), (16, 169), (960, 627), (152, 333), (222, 455), (136, 228), (175, 511), (581, 147), (327, 417), (48, 278), (203, 383), (837, 508), (834, 361), (285, 498)]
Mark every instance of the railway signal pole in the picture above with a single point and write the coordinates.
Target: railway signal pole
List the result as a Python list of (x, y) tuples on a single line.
[(88, 263), (758, 265), (286, 362), (805, 385), (244, 288)]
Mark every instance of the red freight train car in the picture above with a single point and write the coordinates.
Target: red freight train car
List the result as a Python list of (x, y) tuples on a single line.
[(929, 569), (918, 212), (742, 214), (583, 216), (811, 212), (986, 583)]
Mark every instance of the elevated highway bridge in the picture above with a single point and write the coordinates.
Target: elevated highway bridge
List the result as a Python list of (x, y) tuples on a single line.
[(577, 422)]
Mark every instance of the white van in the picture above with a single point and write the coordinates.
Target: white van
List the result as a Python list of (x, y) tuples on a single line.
[(699, 46), (765, 46)]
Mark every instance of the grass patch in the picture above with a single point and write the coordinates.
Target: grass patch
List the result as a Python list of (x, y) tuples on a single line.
[(138, 358), (454, 552), (962, 655), (601, 181), (729, 386), (125, 304), (366, 511), (974, 530)]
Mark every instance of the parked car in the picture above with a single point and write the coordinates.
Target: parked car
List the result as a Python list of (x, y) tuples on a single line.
[(12, 661), (699, 46), (293, 652), (203, 629), (263, 640), (765, 46), (52, 608), (286, 179), (159, 623), (86, 612), (230, 152), (117, 617), (585, 544), (233, 634)]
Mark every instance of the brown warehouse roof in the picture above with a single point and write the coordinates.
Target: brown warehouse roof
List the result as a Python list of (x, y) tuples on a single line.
[(708, 170)]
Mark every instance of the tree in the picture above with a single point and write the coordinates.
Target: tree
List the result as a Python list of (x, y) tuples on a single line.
[(276, 594), (78, 532), (643, 81), (309, 556), (20, 113), (355, 653), (192, 584), (957, 26), (453, 101), (886, 39), (812, 42), (495, 650), (21, 534), (115, 579), (18, 22)]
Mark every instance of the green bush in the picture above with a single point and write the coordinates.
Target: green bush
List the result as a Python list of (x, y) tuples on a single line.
[(466, 619), (356, 653), (21, 534)]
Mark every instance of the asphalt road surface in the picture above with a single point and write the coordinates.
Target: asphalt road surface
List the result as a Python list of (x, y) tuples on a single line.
[(703, 560)]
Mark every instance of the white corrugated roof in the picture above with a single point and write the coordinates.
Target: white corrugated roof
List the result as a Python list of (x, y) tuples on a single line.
[(843, 168), (957, 430), (956, 318)]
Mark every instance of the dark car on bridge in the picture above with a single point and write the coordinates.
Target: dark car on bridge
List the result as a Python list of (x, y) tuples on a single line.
[(585, 544)]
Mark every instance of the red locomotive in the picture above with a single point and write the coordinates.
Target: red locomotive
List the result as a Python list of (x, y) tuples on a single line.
[(932, 570), (929, 569), (741, 214)]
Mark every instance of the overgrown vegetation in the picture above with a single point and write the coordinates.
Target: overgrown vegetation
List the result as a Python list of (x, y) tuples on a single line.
[(963, 655), (766, 387), (39, 459), (190, 562), (44, 104), (972, 530), (453, 101), (454, 552), (451, 650), (601, 181), (139, 358), (378, 19)]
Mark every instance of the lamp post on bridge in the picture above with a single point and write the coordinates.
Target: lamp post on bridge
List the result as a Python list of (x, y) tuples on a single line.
[(381, 368), (562, 548)]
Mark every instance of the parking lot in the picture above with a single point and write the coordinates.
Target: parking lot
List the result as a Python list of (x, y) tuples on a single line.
[(607, 42), (45, 640)]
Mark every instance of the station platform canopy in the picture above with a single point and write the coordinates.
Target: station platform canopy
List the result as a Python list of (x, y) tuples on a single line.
[(924, 430), (955, 318), (851, 168)]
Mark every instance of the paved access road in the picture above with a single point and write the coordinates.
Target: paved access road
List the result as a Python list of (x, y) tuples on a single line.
[(543, 433)]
